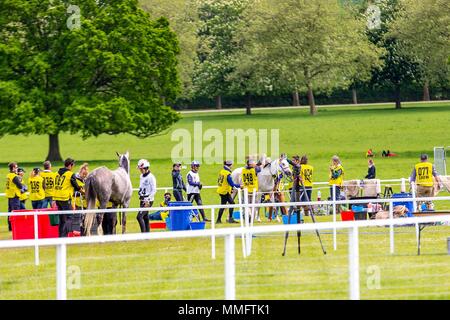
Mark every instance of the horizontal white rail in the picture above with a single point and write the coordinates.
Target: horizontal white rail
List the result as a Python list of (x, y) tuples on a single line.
[(166, 189), (227, 206), (222, 232)]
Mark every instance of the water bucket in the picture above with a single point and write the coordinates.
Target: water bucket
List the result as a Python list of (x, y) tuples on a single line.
[(236, 215), (293, 219)]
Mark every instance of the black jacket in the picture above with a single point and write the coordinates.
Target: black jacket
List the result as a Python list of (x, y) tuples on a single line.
[(371, 173), (177, 180)]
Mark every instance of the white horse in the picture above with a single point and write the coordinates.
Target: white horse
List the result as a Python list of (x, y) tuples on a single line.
[(105, 185), (271, 171)]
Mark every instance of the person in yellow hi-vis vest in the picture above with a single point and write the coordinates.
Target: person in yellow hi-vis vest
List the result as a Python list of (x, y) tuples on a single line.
[(65, 187), (249, 177), (14, 189), (422, 175), (161, 215), (49, 183), (225, 186), (37, 189), (306, 178), (24, 196), (336, 178)]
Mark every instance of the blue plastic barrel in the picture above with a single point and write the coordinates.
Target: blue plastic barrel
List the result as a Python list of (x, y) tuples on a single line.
[(409, 204), (180, 219)]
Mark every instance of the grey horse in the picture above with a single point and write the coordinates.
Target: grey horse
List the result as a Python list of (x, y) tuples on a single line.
[(105, 185)]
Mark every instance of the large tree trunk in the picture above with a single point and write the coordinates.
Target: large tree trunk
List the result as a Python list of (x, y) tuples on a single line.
[(218, 102), (248, 104), (53, 151), (398, 100), (295, 98), (354, 96), (312, 103), (426, 91)]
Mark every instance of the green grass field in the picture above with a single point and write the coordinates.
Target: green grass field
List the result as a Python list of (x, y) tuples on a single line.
[(183, 269)]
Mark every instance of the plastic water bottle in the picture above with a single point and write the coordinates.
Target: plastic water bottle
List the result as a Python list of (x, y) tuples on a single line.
[(369, 207), (319, 196), (423, 207)]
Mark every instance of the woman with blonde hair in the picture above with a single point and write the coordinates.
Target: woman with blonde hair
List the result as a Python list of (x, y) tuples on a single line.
[(336, 177)]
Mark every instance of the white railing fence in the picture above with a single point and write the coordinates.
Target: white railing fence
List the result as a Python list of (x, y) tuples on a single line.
[(245, 229)]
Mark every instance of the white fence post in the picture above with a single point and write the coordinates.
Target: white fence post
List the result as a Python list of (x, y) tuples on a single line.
[(230, 268), (213, 237), (333, 198), (242, 215), (391, 227), (36, 237), (403, 186), (353, 263), (61, 272), (413, 191)]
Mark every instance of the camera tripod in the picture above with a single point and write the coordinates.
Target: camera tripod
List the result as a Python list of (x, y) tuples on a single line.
[(298, 220)]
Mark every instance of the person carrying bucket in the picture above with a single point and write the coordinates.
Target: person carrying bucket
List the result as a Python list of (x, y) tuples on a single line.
[(225, 186), (336, 178)]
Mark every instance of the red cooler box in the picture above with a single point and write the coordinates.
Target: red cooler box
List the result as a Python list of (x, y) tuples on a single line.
[(23, 226)]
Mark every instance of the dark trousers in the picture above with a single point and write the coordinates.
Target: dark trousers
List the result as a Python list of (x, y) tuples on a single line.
[(38, 204), (13, 204), (196, 197), (22, 205), (224, 199), (142, 217), (178, 194), (337, 196), (109, 223), (47, 202), (65, 221)]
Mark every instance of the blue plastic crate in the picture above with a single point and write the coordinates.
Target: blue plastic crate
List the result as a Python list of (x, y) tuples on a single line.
[(409, 204)]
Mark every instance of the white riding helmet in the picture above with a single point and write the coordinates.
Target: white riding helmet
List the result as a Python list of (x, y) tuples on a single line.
[(142, 164), (195, 163)]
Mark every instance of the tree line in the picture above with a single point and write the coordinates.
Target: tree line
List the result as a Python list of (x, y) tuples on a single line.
[(110, 67), (259, 48)]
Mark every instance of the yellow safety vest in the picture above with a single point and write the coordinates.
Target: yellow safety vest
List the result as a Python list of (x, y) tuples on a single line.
[(36, 187), (339, 180), (164, 214), (49, 182), (11, 190), (63, 188), (222, 182), (78, 202), (249, 179), (424, 174), (306, 173), (23, 196)]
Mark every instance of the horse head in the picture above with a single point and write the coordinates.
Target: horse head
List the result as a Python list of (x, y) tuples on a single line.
[(280, 166), (124, 161)]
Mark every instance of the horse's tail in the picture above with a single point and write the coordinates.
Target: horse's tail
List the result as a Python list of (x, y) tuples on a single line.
[(91, 198)]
